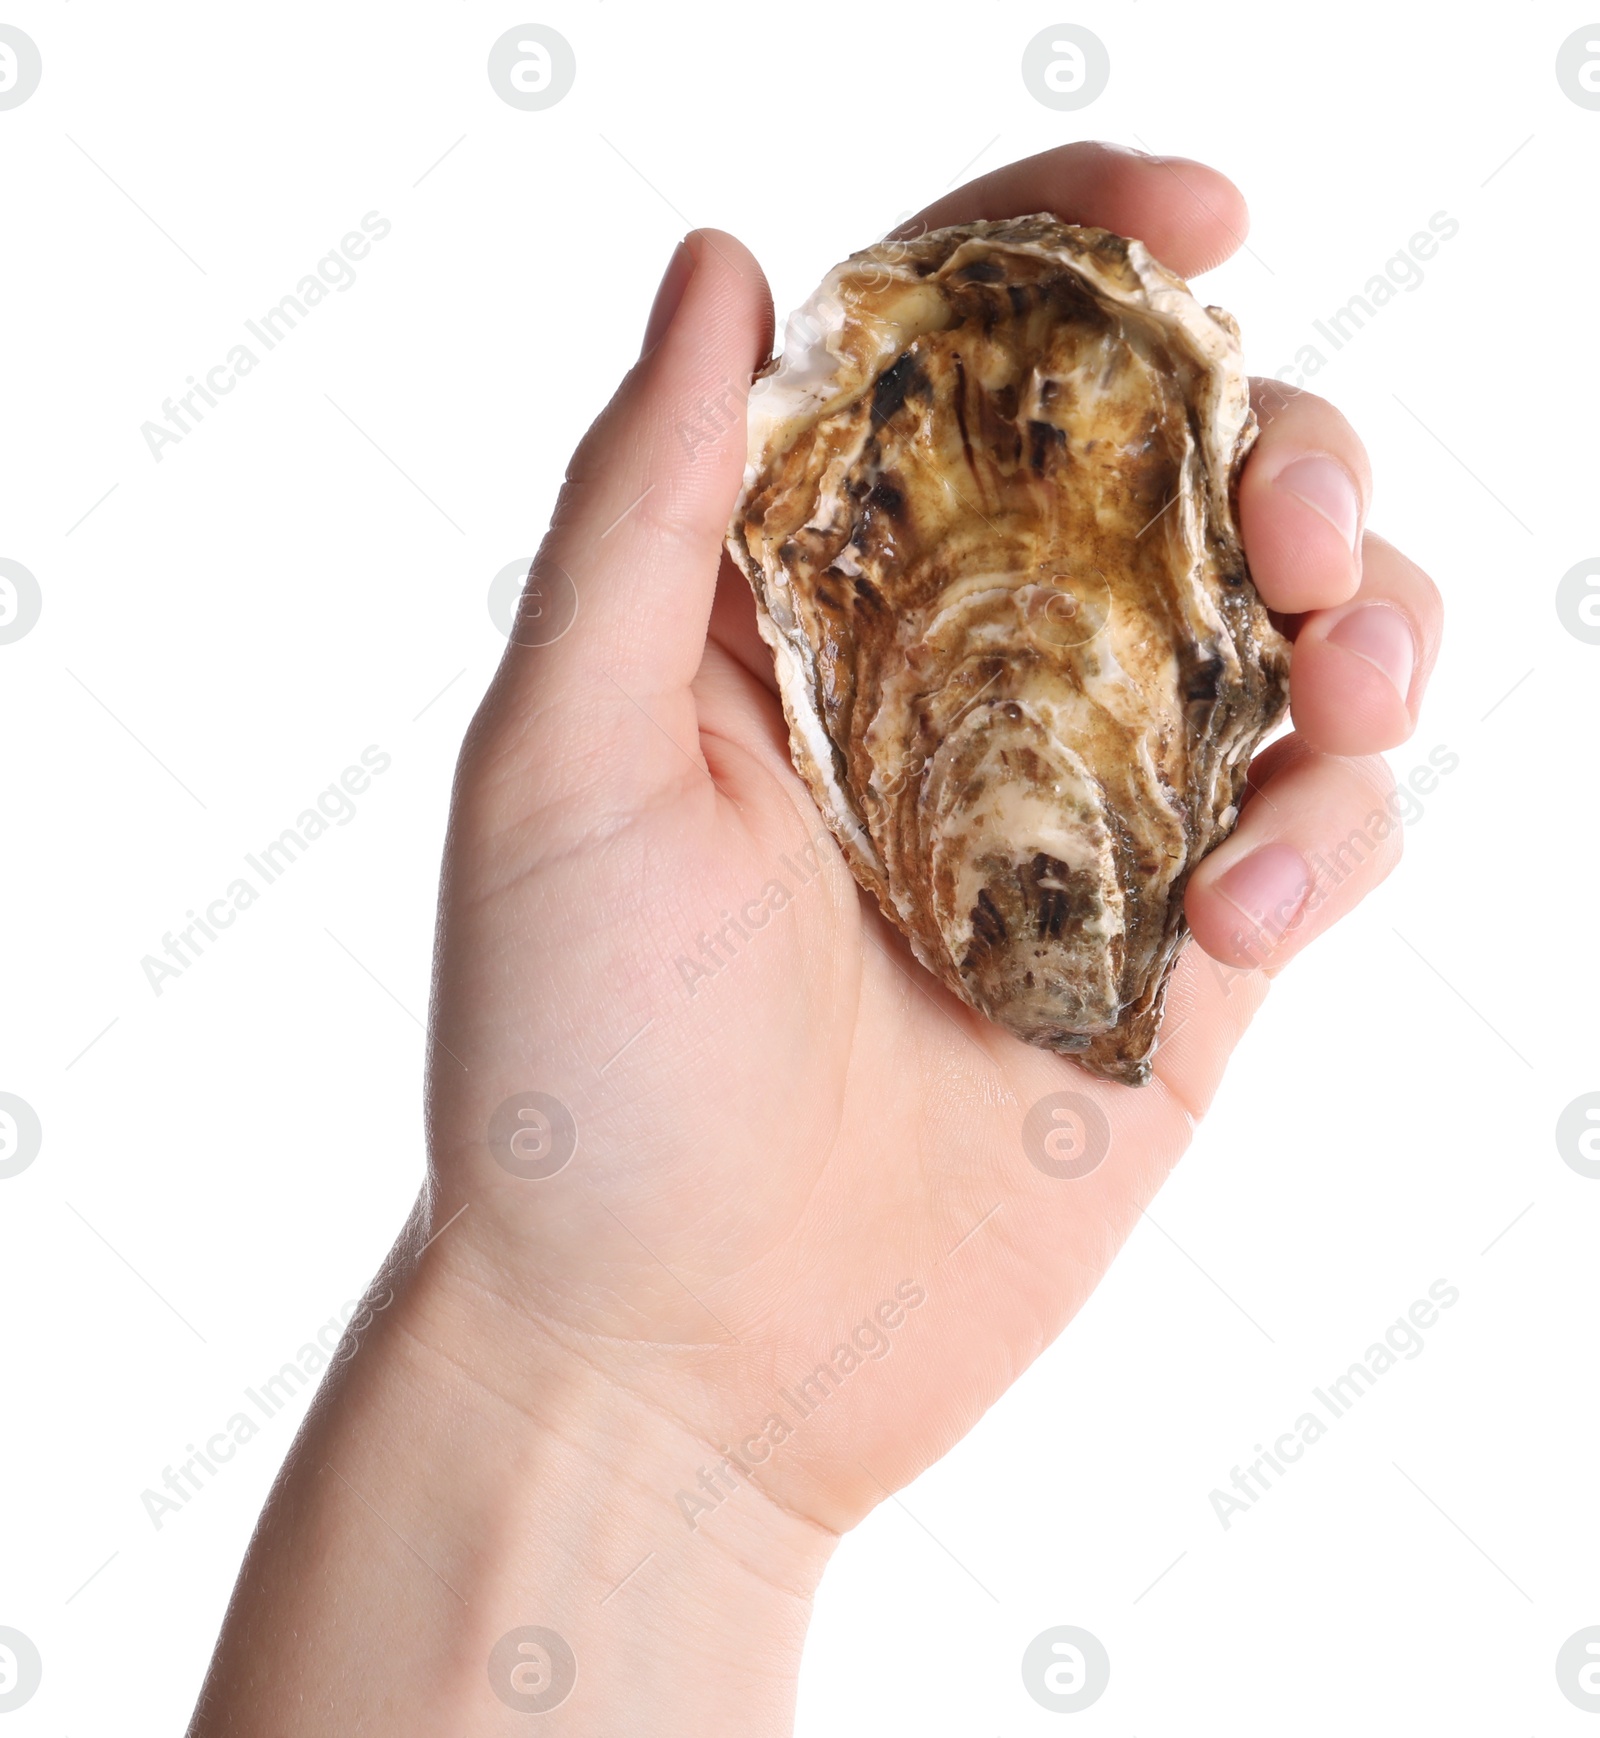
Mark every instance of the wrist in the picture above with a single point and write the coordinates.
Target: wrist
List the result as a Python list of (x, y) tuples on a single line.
[(579, 1531), (628, 1469), (474, 1521)]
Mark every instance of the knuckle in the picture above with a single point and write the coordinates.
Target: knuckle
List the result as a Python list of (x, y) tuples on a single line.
[(1292, 417), (1370, 779), (1429, 599)]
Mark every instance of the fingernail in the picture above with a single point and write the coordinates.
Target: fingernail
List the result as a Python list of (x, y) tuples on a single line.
[(1268, 887), (674, 281), (1383, 637), (1327, 488)]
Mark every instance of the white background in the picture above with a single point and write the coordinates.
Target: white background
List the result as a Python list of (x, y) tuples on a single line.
[(275, 595)]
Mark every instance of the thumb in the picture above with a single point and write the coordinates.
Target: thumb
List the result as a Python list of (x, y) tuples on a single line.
[(631, 557)]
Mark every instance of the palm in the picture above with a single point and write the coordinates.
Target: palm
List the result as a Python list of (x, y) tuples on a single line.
[(775, 1129)]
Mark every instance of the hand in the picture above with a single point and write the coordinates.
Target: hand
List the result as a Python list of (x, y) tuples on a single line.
[(782, 1121), (800, 1246)]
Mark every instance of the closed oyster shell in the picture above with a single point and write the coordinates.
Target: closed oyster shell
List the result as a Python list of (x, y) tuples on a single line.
[(988, 517)]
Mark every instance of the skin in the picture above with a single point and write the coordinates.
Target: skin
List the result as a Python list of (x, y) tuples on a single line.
[(760, 1163)]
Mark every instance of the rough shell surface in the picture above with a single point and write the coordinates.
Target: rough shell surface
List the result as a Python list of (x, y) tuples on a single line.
[(988, 517)]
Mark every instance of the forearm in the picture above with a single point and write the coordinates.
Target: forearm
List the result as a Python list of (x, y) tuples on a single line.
[(443, 1495)]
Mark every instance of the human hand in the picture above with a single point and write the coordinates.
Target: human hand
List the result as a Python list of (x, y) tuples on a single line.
[(782, 1122)]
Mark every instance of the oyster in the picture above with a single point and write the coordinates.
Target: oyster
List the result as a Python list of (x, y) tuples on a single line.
[(988, 517)]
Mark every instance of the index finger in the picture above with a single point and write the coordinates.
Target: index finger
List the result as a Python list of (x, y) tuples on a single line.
[(1191, 217)]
